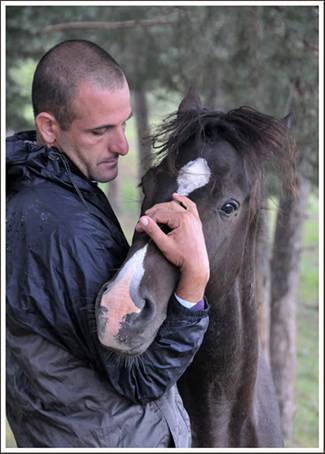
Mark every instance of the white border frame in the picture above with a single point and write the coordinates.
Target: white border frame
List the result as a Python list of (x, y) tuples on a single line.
[(320, 4)]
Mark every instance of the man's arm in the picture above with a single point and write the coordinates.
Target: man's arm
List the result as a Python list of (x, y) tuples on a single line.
[(148, 376)]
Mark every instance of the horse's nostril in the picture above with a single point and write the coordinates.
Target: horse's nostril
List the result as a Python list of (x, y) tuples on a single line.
[(148, 310), (137, 321)]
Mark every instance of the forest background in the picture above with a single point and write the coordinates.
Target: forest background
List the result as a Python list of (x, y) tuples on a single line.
[(264, 56)]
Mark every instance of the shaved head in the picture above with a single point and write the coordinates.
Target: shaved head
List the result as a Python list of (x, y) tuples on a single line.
[(62, 69)]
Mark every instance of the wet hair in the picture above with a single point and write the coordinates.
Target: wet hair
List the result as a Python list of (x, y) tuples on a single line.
[(60, 72)]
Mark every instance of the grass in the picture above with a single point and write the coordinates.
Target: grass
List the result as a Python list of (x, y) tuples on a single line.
[(306, 418), (307, 372)]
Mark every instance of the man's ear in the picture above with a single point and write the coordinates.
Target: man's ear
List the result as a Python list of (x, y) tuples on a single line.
[(47, 128)]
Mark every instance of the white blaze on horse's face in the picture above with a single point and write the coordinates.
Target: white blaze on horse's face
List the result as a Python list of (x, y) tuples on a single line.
[(193, 175)]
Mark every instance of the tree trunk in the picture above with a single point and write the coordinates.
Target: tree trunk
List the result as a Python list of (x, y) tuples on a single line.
[(143, 130), (113, 195), (263, 252), (144, 147), (284, 282)]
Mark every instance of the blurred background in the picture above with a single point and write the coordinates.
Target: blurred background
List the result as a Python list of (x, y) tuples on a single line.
[(262, 56)]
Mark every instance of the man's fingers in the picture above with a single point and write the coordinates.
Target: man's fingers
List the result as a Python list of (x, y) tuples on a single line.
[(172, 206), (179, 203), (187, 203), (149, 226), (170, 218)]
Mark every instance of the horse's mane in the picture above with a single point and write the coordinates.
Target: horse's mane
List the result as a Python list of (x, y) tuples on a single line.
[(258, 137)]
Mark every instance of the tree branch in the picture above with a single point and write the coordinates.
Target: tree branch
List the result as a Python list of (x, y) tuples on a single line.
[(104, 25)]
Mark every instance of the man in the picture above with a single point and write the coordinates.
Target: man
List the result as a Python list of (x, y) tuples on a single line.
[(63, 243)]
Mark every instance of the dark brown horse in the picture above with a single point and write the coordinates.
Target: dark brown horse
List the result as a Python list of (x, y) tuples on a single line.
[(217, 160)]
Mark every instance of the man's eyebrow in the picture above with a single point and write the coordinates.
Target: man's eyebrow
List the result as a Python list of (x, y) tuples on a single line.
[(109, 125)]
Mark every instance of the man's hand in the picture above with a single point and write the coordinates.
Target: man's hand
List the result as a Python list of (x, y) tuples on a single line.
[(184, 246)]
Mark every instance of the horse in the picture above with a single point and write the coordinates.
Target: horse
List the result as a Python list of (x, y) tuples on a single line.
[(218, 160)]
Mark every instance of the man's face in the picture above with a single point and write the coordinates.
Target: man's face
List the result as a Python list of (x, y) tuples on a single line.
[(96, 137)]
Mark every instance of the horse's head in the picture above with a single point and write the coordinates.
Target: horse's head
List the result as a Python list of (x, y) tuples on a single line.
[(216, 160)]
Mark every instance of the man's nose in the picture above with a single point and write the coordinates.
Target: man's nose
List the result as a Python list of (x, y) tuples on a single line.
[(118, 142)]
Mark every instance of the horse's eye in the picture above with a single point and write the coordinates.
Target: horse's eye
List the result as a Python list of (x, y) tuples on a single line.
[(230, 207)]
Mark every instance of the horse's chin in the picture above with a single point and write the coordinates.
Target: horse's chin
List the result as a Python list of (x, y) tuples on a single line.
[(132, 335)]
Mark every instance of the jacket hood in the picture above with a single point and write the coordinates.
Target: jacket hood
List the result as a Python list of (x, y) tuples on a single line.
[(28, 161)]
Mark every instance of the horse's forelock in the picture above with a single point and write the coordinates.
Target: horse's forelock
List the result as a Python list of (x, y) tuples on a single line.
[(259, 138), (265, 139)]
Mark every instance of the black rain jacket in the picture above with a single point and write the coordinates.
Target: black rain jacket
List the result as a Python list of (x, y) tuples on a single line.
[(64, 389)]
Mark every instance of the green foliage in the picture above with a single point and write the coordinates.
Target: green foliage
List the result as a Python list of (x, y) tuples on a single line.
[(20, 79), (263, 56), (306, 422), (309, 277)]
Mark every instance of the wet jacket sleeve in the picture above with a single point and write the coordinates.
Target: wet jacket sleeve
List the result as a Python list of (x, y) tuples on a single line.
[(147, 376)]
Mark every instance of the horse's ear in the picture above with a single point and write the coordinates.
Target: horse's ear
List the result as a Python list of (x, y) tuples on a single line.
[(287, 120), (191, 101)]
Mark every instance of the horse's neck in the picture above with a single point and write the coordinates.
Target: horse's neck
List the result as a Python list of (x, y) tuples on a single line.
[(233, 328), (220, 383), (232, 337), (229, 352), (219, 386)]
